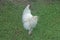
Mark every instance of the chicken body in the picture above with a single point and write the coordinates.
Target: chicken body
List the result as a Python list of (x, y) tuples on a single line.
[(29, 21)]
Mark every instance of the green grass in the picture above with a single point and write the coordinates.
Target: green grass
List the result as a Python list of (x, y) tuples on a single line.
[(48, 27)]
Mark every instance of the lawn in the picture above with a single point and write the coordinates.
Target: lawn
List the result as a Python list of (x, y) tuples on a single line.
[(48, 27)]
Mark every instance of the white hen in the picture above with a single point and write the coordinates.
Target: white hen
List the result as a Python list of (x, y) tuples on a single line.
[(29, 21)]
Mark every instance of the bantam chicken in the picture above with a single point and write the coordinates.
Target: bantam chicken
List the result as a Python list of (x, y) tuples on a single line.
[(29, 21)]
